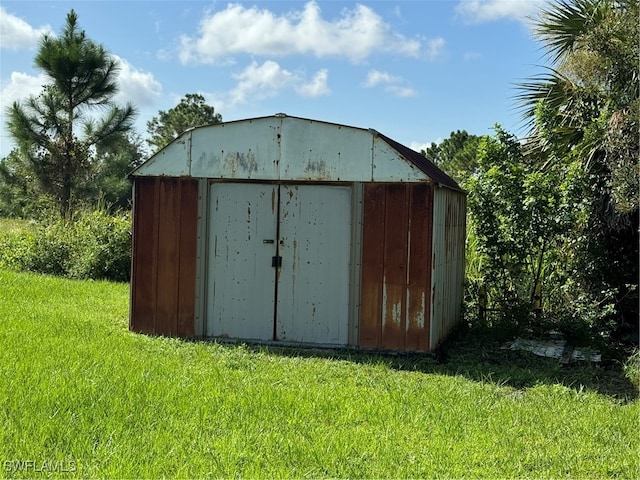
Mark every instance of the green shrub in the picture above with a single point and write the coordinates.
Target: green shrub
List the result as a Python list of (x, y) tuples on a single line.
[(92, 245), (103, 246), (632, 369)]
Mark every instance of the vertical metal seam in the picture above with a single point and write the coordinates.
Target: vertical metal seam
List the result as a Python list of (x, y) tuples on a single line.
[(409, 203), (276, 272), (179, 246), (202, 220), (190, 153), (373, 150), (156, 246), (383, 312), (434, 266), (355, 294)]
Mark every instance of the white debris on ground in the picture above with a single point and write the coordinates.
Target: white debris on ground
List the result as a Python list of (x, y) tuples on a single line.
[(554, 348)]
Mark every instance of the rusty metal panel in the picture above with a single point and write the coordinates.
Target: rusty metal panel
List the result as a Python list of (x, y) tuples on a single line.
[(395, 268), (390, 166), (247, 149), (187, 257), (373, 234), (144, 256), (313, 282), (419, 264), (241, 279), (322, 151), (174, 160), (449, 224), (168, 260)]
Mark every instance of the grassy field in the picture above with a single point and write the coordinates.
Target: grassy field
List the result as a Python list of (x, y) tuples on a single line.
[(88, 398)]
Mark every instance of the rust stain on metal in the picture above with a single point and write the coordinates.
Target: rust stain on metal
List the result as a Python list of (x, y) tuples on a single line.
[(317, 169), (372, 265), (395, 275), (240, 161), (396, 292)]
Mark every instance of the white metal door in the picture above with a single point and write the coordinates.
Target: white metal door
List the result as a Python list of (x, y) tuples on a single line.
[(310, 302), (242, 241), (313, 284)]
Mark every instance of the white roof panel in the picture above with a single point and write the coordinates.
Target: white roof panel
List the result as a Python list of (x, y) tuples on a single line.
[(291, 149)]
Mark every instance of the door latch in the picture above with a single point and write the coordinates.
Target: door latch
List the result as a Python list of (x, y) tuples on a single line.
[(276, 261)]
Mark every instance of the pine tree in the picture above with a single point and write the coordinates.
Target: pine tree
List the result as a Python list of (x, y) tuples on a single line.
[(57, 130)]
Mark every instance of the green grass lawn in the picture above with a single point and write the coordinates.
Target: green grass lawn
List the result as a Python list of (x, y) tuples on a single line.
[(77, 388)]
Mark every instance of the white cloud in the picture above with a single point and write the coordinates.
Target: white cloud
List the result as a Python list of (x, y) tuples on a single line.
[(136, 86), (480, 11), (376, 77), (418, 146), (356, 34), (15, 33), (261, 81), (317, 87), (20, 87), (268, 80), (392, 83), (435, 48), (399, 91)]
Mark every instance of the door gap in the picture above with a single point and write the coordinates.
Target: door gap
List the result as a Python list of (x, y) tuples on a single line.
[(276, 269)]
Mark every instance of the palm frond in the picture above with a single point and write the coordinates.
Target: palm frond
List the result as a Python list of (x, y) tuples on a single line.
[(562, 26)]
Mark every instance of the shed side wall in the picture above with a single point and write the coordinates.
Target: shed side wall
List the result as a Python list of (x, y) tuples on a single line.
[(396, 266), (449, 226), (164, 256), (419, 274)]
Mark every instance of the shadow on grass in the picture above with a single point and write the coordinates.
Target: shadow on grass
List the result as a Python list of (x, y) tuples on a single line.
[(480, 358)]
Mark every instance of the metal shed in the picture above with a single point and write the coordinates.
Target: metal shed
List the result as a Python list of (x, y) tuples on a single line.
[(284, 229)]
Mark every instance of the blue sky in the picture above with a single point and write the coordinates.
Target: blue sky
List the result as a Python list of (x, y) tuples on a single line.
[(413, 70)]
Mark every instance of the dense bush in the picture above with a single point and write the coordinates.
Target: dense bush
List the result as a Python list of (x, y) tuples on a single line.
[(528, 268), (632, 369), (93, 245)]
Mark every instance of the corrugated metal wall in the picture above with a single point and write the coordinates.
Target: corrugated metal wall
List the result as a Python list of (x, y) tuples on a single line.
[(412, 262), (164, 256), (396, 266), (449, 224)]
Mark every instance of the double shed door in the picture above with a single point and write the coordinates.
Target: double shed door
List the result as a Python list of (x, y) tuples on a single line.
[(278, 265)]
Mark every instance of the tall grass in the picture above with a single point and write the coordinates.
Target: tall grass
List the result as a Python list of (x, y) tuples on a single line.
[(76, 387)]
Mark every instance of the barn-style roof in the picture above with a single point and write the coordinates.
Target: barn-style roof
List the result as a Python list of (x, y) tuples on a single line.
[(287, 148)]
